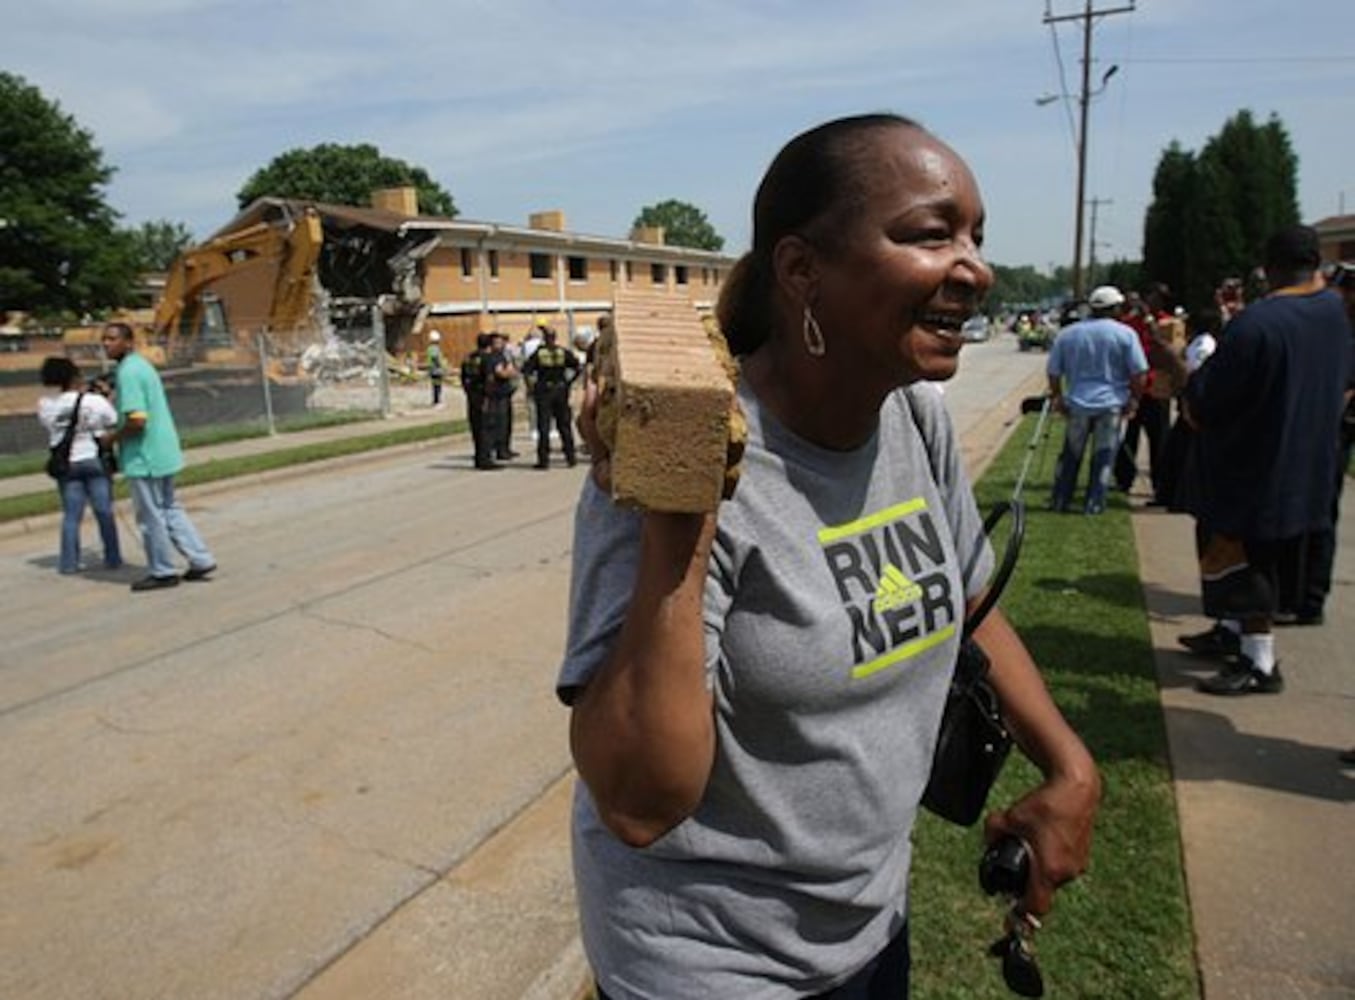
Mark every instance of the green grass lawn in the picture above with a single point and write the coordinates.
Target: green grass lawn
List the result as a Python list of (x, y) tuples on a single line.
[(1124, 929), (27, 463)]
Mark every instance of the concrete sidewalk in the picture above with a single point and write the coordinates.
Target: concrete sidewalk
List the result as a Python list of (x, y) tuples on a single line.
[(1265, 806)]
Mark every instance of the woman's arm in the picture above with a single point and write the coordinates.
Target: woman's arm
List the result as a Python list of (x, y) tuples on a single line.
[(1056, 817), (642, 730)]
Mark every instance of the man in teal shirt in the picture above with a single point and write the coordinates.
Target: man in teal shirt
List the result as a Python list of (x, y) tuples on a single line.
[(149, 456)]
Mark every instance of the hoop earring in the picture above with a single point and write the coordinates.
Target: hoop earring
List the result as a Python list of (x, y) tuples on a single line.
[(813, 335)]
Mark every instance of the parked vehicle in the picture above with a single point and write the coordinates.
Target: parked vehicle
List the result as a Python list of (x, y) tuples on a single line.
[(974, 330)]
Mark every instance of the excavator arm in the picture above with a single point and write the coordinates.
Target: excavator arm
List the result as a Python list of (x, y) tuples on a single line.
[(292, 246)]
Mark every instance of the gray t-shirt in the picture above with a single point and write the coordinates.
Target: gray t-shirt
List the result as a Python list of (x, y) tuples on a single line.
[(833, 607)]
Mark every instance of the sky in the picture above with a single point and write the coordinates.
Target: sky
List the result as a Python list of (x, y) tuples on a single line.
[(598, 108)]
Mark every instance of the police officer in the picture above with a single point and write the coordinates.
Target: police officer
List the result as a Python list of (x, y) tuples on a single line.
[(552, 370), (500, 379), (473, 385)]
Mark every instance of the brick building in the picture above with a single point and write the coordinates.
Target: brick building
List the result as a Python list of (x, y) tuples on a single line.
[(462, 277)]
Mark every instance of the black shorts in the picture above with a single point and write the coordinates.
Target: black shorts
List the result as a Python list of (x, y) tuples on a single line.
[(1250, 590)]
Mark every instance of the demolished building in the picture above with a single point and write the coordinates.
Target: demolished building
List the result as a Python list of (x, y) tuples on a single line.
[(294, 268)]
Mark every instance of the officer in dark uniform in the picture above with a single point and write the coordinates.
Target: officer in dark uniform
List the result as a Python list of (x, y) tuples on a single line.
[(499, 375), (473, 385), (552, 370)]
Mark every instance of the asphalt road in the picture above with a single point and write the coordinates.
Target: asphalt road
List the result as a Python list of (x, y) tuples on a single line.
[(337, 769)]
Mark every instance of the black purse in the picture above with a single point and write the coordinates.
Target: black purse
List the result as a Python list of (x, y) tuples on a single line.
[(973, 742)]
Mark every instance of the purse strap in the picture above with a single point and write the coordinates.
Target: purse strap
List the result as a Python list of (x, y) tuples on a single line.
[(68, 437)]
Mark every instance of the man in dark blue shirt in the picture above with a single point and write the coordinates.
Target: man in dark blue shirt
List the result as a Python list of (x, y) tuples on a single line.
[(1268, 406)]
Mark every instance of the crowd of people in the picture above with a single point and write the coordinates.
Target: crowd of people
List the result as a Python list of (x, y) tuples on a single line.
[(491, 375), (1258, 450)]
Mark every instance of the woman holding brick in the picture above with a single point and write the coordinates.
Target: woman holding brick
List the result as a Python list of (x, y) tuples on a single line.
[(755, 693)]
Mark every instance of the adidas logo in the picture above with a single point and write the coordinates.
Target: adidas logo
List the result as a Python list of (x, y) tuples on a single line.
[(895, 590)]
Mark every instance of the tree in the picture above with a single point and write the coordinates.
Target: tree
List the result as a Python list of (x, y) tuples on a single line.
[(1123, 274), (1249, 172), (1170, 221), (684, 225), (1211, 213), (60, 248), (343, 175), (158, 243), (1018, 286)]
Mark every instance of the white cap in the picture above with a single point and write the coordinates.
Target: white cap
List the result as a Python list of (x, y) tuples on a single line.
[(1105, 297), (435, 336)]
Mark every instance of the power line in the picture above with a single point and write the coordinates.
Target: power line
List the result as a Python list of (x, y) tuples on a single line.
[(1088, 18), (1063, 79), (1243, 59)]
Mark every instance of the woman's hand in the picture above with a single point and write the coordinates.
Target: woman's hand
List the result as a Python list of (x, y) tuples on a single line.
[(1055, 820)]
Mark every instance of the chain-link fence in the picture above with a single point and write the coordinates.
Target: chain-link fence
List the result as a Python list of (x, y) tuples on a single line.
[(227, 383)]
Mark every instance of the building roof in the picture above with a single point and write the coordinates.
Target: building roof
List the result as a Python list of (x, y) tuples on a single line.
[(464, 232), (1335, 224)]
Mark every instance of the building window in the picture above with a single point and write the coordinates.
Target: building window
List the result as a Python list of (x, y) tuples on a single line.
[(541, 266), (494, 264), (467, 262), (630, 271), (658, 274), (680, 273), (578, 268), (614, 269)]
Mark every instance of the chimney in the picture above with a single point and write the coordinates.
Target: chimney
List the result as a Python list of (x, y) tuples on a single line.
[(400, 200), (553, 220), (648, 234)]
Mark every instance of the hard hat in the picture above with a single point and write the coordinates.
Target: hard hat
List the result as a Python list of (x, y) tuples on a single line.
[(435, 336)]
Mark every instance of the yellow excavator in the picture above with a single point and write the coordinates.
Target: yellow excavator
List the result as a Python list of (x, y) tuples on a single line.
[(290, 247)]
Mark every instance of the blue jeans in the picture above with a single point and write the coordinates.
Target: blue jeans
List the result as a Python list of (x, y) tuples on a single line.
[(165, 526), (1102, 427), (87, 481)]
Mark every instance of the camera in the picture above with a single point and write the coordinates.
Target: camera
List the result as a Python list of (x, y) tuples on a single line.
[(1004, 870), (1005, 867)]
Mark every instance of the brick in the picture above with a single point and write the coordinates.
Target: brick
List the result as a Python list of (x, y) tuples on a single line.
[(667, 408)]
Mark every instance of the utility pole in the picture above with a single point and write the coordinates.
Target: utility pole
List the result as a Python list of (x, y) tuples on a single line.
[(1095, 203), (1084, 99)]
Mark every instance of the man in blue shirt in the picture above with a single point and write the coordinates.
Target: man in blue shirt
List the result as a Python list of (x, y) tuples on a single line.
[(1268, 408), (1096, 374)]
